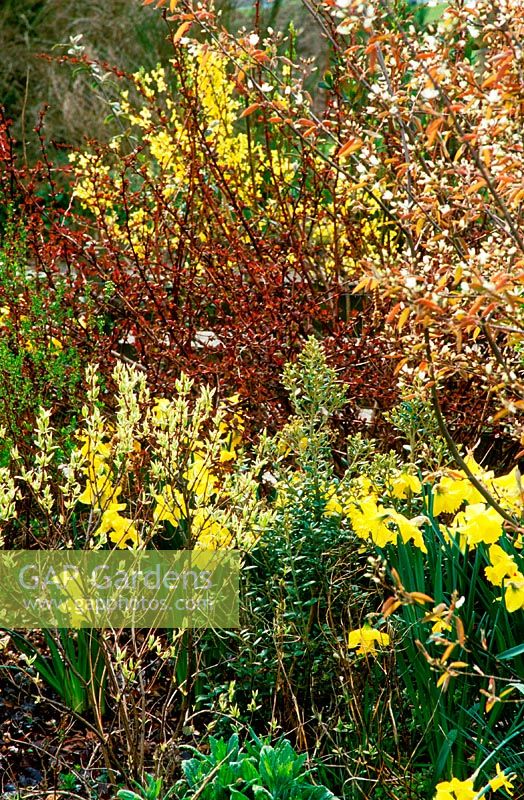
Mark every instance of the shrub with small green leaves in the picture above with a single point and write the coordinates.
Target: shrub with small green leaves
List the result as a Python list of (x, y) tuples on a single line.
[(40, 362)]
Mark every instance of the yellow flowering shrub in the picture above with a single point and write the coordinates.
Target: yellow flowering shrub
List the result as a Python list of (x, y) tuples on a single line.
[(153, 462), (188, 127)]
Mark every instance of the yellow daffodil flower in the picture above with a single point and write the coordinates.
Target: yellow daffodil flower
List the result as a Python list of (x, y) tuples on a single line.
[(450, 493), (503, 569), (514, 594), (366, 639), (502, 566), (454, 489), (122, 530), (75, 599), (408, 528), (200, 480), (100, 492), (478, 523), (227, 454), (208, 533), (333, 506), (502, 781), (161, 409), (170, 506), (362, 486), (478, 471), (455, 790), (369, 521), (508, 489), (404, 484), (96, 453)]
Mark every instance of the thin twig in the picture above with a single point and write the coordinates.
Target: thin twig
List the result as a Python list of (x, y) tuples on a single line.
[(443, 428)]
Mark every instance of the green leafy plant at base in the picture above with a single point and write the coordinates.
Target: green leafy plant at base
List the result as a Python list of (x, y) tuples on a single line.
[(255, 771), (74, 668), (152, 790), (286, 582), (290, 671), (69, 781)]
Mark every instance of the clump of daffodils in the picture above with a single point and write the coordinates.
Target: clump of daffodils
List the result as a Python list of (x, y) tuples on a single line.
[(456, 789), (377, 513)]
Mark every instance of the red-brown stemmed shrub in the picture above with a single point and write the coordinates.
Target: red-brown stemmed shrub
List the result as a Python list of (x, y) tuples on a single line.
[(205, 240), (234, 214)]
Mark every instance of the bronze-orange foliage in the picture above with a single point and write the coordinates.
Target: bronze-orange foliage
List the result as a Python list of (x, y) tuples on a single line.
[(381, 210)]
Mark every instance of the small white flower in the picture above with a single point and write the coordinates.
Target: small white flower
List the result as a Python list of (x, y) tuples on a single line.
[(494, 96), (429, 93)]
